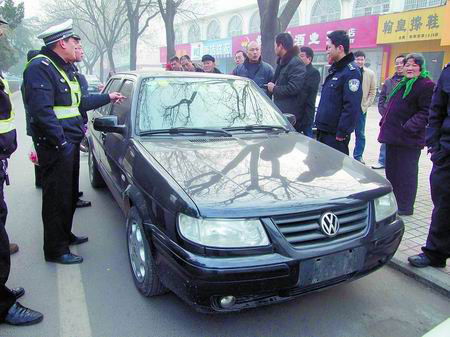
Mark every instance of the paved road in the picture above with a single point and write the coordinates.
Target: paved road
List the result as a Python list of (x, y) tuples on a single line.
[(98, 298)]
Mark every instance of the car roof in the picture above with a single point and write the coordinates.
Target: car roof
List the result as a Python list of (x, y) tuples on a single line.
[(175, 74)]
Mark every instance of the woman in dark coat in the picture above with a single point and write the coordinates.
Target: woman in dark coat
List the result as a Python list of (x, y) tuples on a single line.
[(403, 130)]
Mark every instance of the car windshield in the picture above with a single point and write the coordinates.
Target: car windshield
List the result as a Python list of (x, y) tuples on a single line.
[(166, 103)]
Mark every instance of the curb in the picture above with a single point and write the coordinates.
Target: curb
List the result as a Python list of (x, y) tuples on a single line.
[(429, 276)]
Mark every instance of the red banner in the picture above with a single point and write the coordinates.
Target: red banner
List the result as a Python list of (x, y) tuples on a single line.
[(361, 30), (180, 50)]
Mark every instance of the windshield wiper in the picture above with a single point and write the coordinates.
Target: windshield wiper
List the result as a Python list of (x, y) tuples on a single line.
[(257, 127), (177, 131)]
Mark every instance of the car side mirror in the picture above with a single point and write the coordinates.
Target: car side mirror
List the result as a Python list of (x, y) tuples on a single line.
[(108, 124), (291, 118)]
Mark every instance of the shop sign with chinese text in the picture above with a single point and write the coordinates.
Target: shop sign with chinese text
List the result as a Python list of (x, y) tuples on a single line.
[(419, 25)]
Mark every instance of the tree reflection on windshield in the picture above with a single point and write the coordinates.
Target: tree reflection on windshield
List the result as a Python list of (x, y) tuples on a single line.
[(166, 103)]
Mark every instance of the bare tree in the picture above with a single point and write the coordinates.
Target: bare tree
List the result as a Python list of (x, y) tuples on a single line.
[(272, 24), (136, 11)]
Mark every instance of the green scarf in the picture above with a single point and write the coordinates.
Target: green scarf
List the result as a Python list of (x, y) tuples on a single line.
[(408, 82)]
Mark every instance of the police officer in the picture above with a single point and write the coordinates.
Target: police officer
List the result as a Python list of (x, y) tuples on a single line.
[(340, 101), (53, 97), (11, 311), (437, 248)]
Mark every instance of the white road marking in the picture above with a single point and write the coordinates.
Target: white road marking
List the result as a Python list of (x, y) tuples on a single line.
[(73, 310)]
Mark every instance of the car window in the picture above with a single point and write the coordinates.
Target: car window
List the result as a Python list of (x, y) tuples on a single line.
[(112, 86), (203, 103), (123, 109)]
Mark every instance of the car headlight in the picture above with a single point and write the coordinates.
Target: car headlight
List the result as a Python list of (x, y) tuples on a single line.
[(385, 207), (223, 233)]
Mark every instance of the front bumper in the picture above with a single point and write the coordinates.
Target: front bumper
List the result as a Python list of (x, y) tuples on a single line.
[(275, 277)]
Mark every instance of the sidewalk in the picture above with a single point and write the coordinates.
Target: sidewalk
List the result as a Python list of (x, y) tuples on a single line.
[(416, 226)]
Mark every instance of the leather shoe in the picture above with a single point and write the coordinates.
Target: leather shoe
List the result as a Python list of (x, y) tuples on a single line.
[(13, 248), (20, 315), (17, 292), (378, 166), (83, 203), (78, 240), (80, 194), (421, 261), (68, 258)]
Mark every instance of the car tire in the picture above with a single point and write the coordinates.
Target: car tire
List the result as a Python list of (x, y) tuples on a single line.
[(95, 177), (140, 257)]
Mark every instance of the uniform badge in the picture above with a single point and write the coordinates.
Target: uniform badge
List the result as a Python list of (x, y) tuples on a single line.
[(353, 85)]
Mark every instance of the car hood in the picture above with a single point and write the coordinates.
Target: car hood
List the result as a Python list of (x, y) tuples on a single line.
[(264, 174)]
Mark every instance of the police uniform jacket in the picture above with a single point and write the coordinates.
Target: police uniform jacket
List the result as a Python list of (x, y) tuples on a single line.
[(89, 101), (340, 100), (45, 88), (8, 140), (438, 129)]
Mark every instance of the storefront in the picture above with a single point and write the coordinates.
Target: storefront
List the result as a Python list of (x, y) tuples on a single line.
[(362, 32), (417, 31), (220, 49)]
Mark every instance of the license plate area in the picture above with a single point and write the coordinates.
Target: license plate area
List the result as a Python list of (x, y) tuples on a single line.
[(331, 266)]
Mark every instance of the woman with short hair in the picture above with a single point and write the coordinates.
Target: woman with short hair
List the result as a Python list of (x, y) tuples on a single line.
[(403, 130)]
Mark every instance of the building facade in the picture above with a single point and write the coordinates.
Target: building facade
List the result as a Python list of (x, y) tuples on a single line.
[(222, 34)]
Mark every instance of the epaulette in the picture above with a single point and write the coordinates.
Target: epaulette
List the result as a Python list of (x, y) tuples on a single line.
[(351, 67)]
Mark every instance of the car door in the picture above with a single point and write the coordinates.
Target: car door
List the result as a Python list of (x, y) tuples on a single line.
[(116, 144), (97, 138)]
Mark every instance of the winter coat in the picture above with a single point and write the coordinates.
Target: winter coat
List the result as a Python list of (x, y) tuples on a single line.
[(307, 101), (262, 76), (386, 89)]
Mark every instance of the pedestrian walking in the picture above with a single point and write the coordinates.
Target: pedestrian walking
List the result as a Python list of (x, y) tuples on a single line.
[(340, 100), (369, 91), (289, 76), (53, 98), (11, 311), (188, 65), (209, 64), (437, 248), (307, 104), (386, 89), (254, 67), (403, 130)]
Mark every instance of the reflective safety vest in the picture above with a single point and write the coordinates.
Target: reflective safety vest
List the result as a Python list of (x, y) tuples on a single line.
[(7, 125), (63, 112)]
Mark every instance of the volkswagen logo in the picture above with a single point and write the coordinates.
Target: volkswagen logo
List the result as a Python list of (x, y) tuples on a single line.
[(329, 224)]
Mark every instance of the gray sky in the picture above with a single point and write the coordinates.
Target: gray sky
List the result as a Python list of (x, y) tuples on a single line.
[(32, 7)]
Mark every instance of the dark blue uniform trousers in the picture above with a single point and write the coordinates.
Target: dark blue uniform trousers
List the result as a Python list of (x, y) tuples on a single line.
[(402, 169), (58, 196), (330, 140), (437, 247), (7, 299)]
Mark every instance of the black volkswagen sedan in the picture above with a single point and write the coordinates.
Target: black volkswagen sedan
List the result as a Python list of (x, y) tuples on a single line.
[(226, 205)]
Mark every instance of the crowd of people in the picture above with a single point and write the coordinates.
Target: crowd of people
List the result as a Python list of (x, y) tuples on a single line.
[(414, 113)]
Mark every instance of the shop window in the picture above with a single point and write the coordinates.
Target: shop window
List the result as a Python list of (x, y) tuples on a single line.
[(415, 4), (325, 11), (235, 26), (194, 33), (255, 23), (213, 30), (370, 7)]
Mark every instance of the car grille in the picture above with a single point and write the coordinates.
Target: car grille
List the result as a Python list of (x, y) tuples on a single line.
[(302, 230)]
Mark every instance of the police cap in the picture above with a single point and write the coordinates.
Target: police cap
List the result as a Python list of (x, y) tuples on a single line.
[(57, 32)]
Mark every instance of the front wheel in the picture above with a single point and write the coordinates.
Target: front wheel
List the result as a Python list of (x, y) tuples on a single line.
[(140, 257)]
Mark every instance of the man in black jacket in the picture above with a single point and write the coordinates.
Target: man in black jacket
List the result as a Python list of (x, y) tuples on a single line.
[(437, 249), (209, 64), (308, 96), (289, 76), (254, 68)]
